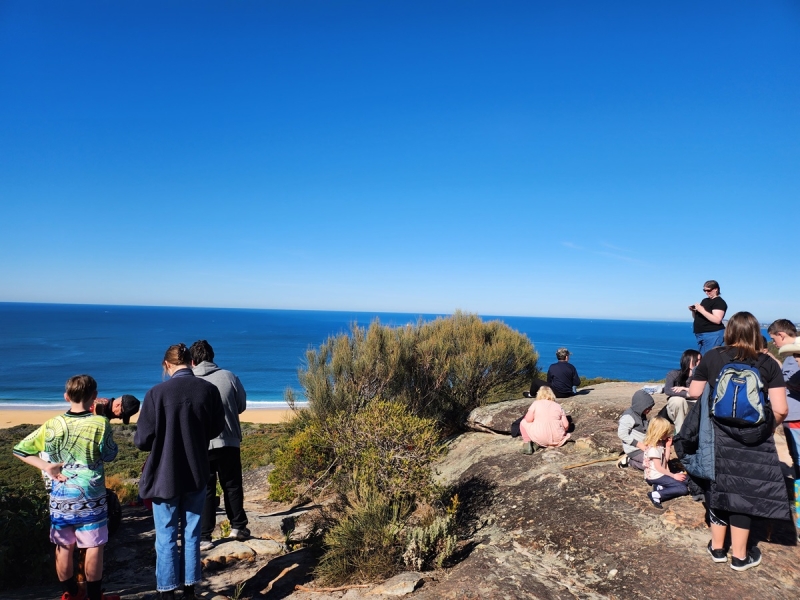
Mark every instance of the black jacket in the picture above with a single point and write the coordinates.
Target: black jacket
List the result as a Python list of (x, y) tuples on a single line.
[(178, 419)]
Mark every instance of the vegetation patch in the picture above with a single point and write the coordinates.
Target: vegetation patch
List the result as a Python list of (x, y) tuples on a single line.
[(380, 402)]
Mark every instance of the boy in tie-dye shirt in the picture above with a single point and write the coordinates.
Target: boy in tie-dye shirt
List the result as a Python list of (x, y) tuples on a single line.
[(76, 445)]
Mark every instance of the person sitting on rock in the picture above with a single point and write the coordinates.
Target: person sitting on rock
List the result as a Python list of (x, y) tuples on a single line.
[(562, 376), (545, 423), (676, 387), (632, 429), (666, 484)]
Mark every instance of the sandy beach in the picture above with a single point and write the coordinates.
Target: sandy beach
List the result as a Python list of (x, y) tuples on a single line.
[(12, 417)]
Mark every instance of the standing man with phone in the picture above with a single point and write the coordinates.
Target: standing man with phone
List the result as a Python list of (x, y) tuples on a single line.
[(708, 315)]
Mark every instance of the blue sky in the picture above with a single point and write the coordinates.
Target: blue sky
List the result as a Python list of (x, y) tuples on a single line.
[(578, 159)]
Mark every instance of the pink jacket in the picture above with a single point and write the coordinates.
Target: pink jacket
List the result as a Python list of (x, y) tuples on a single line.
[(545, 423)]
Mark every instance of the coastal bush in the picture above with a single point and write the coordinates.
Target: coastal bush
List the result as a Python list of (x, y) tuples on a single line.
[(386, 446), (440, 369), (431, 544), (363, 542), (26, 554), (299, 463)]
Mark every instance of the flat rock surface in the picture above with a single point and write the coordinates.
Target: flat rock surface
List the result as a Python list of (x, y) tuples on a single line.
[(531, 528)]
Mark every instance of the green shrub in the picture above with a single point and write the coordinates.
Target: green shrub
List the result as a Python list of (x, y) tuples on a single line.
[(440, 369), (364, 543), (595, 381), (386, 446), (298, 464), (26, 554), (430, 545)]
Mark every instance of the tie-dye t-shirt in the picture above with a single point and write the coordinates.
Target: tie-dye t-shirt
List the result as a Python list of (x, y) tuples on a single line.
[(83, 442)]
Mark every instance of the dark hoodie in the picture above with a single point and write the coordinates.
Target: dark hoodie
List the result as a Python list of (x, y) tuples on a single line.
[(632, 424)]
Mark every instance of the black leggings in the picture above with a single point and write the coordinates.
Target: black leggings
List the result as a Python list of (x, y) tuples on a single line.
[(717, 516)]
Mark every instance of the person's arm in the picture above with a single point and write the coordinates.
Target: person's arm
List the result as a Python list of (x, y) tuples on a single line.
[(108, 447), (715, 316), (576, 380), (696, 388), (780, 408), (625, 432), (241, 396), (564, 420), (146, 425), (531, 414), (670, 389), (53, 470)]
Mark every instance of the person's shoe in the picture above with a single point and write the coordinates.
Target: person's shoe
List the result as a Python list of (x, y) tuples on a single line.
[(718, 556), (527, 448), (81, 595), (110, 597), (206, 545), (239, 534), (622, 463), (753, 559), (170, 595), (656, 503), (188, 592)]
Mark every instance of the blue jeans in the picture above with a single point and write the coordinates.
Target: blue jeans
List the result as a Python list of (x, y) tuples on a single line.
[(707, 341), (169, 515)]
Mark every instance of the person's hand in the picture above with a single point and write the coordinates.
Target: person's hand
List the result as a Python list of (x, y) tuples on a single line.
[(692, 307), (53, 471), (679, 476), (679, 388)]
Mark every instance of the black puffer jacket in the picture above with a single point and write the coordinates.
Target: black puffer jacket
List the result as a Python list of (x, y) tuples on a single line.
[(749, 479), (748, 476)]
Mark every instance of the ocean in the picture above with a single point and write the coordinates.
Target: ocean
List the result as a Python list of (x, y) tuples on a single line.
[(42, 345)]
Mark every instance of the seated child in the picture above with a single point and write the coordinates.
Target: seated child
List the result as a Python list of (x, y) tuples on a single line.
[(76, 445), (632, 429), (545, 423), (666, 485)]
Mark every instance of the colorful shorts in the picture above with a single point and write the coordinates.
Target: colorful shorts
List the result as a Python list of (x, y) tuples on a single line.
[(90, 535)]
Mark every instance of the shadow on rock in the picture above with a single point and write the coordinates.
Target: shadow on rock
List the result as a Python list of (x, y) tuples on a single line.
[(278, 578)]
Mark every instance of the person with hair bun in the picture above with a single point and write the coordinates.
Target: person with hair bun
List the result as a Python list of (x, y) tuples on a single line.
[(748, 480), (178, 419)]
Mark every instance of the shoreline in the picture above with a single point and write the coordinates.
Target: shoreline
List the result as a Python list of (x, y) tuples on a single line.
[(11, 417)]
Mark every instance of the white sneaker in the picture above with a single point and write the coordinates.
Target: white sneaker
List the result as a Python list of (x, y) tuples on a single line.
[(239, 534), (206, 545)]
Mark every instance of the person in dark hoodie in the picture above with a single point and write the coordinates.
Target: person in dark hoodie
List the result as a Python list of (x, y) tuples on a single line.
[(633, 428), (179, 417), (223, 451)]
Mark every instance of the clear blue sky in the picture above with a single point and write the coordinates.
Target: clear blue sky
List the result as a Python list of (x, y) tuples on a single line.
[(579, 159)]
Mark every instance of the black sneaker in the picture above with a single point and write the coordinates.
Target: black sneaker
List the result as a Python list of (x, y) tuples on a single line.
[(753, 559), (656, 503), (718, 556)]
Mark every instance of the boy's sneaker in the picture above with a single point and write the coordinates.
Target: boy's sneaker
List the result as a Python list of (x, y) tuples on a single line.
[(656, 503), (206, 545), (622, 463), (718, 556), (753, 559), (527, 448), (81, 595), (189, 593), (239, 534)]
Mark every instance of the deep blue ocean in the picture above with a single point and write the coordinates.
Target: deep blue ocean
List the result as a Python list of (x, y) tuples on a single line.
[(42, 345)]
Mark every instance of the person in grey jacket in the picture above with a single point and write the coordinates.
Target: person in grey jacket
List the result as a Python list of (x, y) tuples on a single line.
[(632, 429), (223, 451)]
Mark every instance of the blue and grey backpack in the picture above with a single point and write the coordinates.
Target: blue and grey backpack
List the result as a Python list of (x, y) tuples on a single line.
[(738, 396)]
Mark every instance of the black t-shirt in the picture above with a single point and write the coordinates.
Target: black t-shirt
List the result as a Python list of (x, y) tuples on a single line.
[(716, 358), (703, 325)]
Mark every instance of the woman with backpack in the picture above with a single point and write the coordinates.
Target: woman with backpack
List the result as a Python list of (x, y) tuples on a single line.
[(748, 482)]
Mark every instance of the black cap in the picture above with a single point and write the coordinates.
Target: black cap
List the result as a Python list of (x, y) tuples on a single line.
[(130, 406)]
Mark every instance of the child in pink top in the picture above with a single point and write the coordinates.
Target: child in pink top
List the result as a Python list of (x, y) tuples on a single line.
[(545, 423)]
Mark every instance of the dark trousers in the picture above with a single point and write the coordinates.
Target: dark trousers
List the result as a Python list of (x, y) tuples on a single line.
[(226, 464), (668, 487)]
